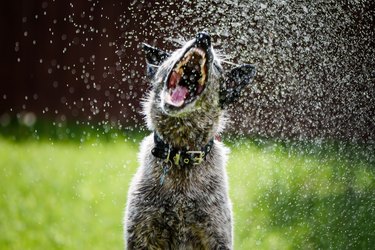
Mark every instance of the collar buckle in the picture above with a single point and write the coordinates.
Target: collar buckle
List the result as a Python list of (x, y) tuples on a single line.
[(197, 159), (176, 158)]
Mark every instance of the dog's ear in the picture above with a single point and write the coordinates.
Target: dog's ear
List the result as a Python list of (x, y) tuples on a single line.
[(154, 57), (234, 81)]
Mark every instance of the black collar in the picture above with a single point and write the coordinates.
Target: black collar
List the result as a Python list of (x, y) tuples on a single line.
[(181, 157)]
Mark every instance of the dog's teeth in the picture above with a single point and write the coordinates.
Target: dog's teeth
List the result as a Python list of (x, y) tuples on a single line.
[(194, 52), (202, 80), (185, 60), (203, 72), (180, 71), (200, 52)]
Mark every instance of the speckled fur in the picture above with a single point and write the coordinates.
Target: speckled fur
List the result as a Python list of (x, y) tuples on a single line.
[(191, 209)]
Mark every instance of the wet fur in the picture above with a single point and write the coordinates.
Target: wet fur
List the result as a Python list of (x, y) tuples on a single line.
[(191, 209)]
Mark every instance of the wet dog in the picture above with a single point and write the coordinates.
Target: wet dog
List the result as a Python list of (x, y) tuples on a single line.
[(178, 198)]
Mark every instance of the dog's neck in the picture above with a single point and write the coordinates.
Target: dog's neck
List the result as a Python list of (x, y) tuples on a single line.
[(191, 131)]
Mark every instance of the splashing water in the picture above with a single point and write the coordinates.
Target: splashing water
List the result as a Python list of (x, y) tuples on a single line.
[(81, 61), (315, 61)]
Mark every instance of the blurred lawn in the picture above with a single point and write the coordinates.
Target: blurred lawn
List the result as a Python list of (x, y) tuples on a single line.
[(70, 194)]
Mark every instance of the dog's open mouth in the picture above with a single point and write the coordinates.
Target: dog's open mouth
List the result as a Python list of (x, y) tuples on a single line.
[(187, 79)]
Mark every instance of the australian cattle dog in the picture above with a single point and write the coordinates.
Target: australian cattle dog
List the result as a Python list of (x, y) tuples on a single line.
[(178, 198)]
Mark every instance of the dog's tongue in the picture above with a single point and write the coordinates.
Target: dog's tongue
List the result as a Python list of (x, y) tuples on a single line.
[(178, 95)]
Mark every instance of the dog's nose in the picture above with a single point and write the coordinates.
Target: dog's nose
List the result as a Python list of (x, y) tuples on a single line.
[(203, 40)]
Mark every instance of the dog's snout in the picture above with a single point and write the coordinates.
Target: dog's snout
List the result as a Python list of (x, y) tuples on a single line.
[(203, 40)]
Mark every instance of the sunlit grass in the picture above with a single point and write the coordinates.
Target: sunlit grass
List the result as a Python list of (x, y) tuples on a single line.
[(71, 195), (290, 199), (63, 195)]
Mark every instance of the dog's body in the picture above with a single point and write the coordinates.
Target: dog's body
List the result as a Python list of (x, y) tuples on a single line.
[(190, 210), (178, 198)]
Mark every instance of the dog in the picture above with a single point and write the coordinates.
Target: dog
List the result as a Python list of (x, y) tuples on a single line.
[(178, 199)]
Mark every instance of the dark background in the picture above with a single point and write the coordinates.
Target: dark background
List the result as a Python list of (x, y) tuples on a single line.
[(80, 61)]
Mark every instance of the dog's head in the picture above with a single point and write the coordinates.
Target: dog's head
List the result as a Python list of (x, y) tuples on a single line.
[(192, 77)]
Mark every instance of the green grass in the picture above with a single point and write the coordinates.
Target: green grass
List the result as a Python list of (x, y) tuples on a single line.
[(70, 194), (307, 198), (63, 195)]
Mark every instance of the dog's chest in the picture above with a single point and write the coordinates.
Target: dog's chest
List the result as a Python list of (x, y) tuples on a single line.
[(183, 215), (183, 199)]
